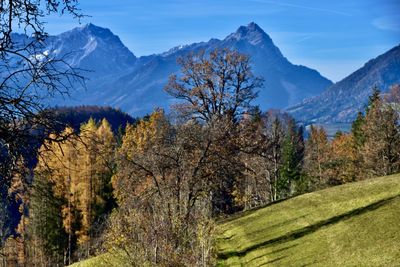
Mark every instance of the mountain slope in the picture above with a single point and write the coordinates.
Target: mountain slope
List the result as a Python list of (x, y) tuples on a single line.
[(119, 79), (350, 225), (285, 83), (92, 48), (341, 101)]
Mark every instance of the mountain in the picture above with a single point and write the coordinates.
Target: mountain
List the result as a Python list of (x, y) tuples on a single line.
[(340, 102), (92, 48), (116, 77)]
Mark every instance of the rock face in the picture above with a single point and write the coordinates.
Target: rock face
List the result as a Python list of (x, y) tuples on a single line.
[(340, 102), (119, 79)]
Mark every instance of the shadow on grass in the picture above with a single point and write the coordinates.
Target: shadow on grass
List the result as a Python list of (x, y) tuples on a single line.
[(280, 224), (308, 229), (273, 252), (275, 260)]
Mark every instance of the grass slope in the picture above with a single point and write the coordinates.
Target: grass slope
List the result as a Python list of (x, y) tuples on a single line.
[(356, 224)]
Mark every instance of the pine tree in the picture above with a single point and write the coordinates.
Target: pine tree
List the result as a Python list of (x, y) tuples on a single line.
[(374, 98), (357, 130), (46, 223), (276, 136), (292, 160)]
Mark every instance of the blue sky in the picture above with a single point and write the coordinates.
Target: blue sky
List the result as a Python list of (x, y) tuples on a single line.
[(336, 37)]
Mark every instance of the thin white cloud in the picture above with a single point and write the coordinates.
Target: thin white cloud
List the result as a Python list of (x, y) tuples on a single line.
[(389, 23), (279, 3), (305, 38)]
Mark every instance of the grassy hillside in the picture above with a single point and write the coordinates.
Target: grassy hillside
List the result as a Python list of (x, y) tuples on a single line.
[(356, 224)]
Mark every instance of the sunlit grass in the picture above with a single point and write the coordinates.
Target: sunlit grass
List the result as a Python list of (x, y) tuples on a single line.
[(356, 224)]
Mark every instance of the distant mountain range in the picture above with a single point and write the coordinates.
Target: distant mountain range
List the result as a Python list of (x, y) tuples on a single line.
[(340, 102), (135, 84), (117, 78)]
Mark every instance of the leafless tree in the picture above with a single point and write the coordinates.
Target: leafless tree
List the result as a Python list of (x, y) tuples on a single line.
[(215, 85), (29, 78)]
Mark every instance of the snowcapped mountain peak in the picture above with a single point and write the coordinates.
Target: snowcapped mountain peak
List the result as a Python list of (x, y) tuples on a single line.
[(251, 33), (91, 31), (93, 48), (174, 50)]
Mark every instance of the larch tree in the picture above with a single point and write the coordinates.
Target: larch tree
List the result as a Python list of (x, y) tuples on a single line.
[(345, 159), (57, 164), (317, 157), (79, 173), (85, 180)]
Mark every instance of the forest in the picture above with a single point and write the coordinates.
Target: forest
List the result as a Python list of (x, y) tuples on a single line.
[(76, 183)]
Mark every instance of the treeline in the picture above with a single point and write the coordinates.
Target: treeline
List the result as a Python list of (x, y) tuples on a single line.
[(151, 195), (75, 116), (371, 149)]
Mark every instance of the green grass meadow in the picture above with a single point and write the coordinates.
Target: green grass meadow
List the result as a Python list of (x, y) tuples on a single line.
[(356, 224)]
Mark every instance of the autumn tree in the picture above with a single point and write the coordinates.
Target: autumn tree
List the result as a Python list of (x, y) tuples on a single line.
[(345, 160), (214, 85), (317, 158), (96, 157), (393, 97), (78, 171), (263, 152), (55, 168), (15, 247), (254, 189), (371, 148), (216, 89), (380, 152)]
